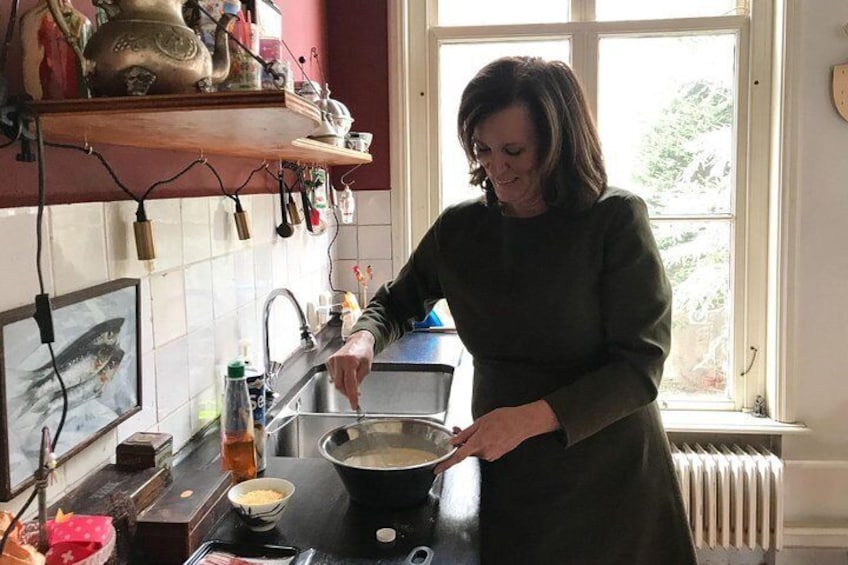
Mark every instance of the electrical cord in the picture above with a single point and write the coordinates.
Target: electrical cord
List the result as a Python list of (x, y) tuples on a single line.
[(39, 237), (330, 247), (88, 150), (42, 194), (232, 197), (187, 168), (40, 318), (262, 167)]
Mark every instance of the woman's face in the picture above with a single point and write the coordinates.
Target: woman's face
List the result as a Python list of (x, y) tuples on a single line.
[(506, 146)]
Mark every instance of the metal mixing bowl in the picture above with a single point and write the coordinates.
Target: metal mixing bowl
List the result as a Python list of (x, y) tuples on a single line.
[(387, 487)]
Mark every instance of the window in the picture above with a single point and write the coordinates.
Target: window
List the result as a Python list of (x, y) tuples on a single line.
[(680, 89)]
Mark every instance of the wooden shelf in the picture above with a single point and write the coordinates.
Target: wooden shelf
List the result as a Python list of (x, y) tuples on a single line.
[(267, 124), (306, 150)]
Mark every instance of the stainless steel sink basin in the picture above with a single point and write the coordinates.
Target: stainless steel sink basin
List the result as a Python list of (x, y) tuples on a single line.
[(299, 436), (385, 392), (419, 391)]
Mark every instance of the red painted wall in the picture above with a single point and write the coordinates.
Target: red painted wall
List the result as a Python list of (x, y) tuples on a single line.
[(73, 177), (305, 26), (359, 65)]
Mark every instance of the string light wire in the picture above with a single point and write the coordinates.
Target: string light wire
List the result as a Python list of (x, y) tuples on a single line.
[(39, 246)]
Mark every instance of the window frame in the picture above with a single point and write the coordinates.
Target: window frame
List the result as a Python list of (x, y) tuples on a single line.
[(756, 258)]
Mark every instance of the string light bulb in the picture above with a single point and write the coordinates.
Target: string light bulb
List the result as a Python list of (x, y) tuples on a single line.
[(143, 229), (242, 222)]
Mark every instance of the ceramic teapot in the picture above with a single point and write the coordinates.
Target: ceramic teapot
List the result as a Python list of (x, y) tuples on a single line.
[(145, 47)]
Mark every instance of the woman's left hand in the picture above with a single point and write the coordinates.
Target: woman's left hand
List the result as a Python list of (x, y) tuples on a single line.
[(500, 431)]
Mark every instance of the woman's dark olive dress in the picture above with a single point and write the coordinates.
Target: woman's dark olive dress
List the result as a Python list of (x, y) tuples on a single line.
[(575, 309)]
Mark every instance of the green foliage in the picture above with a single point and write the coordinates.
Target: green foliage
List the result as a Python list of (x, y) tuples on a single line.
[(686, 168), (686, 154)]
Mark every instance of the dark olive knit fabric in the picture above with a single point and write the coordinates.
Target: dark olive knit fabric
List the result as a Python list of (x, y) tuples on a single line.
[(575, 309)]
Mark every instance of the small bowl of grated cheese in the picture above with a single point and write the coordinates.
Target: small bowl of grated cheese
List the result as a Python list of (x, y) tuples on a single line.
[(261, 502)]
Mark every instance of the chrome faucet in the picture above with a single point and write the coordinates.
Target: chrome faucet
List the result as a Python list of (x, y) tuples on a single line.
[(307, 340)]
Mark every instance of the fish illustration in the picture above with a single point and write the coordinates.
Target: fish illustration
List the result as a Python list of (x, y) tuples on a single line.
[(86, 365), (84, 391)]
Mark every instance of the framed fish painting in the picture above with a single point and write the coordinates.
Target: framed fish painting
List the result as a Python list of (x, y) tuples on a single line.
[(97, 354)]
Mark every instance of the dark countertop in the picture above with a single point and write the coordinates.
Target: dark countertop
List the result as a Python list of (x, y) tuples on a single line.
[(321, 516)]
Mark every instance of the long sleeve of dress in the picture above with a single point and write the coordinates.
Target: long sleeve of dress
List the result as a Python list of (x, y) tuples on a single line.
[(408, 298), (636, 312)]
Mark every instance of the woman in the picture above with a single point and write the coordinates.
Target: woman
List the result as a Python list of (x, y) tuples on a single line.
[(557, 289)]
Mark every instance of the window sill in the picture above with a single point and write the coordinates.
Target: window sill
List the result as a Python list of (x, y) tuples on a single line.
[(726, 422)]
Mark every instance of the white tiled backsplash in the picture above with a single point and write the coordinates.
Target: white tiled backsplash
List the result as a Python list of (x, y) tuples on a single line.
[(200, 298)]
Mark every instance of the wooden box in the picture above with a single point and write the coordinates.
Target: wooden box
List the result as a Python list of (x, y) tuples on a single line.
[(145, 449), (174, 526)]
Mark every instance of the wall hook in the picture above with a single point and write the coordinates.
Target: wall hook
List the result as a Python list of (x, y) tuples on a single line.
[(343, 178)]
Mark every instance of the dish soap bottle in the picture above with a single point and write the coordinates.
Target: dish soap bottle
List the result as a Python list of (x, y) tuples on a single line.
[(257, 390), (238, 453)]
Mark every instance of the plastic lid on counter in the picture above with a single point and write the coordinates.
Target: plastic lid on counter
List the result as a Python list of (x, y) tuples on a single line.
[(386, 535)]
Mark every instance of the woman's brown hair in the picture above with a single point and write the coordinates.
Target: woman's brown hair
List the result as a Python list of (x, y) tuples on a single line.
[(572, 167)]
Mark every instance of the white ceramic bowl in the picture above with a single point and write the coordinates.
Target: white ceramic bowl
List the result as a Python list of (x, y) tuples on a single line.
[(336, 140), (359, 140), (261, 517)]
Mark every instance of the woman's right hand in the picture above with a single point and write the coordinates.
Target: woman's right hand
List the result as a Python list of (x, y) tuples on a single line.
[(351, 363)]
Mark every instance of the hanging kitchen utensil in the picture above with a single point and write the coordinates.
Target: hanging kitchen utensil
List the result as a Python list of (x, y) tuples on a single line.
[(304, 200), (292, 206), (307, 208), (284, 229)]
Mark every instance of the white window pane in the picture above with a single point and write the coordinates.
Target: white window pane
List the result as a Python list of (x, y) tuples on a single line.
[(668, 129), (661, 9), (697, 260), (458, 63), (495, 12)]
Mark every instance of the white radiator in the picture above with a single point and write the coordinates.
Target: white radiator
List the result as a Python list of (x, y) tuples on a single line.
[(733, 495)]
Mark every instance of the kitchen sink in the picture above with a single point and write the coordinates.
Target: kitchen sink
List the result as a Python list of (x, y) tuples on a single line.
[(298, 437), (390, 390)]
